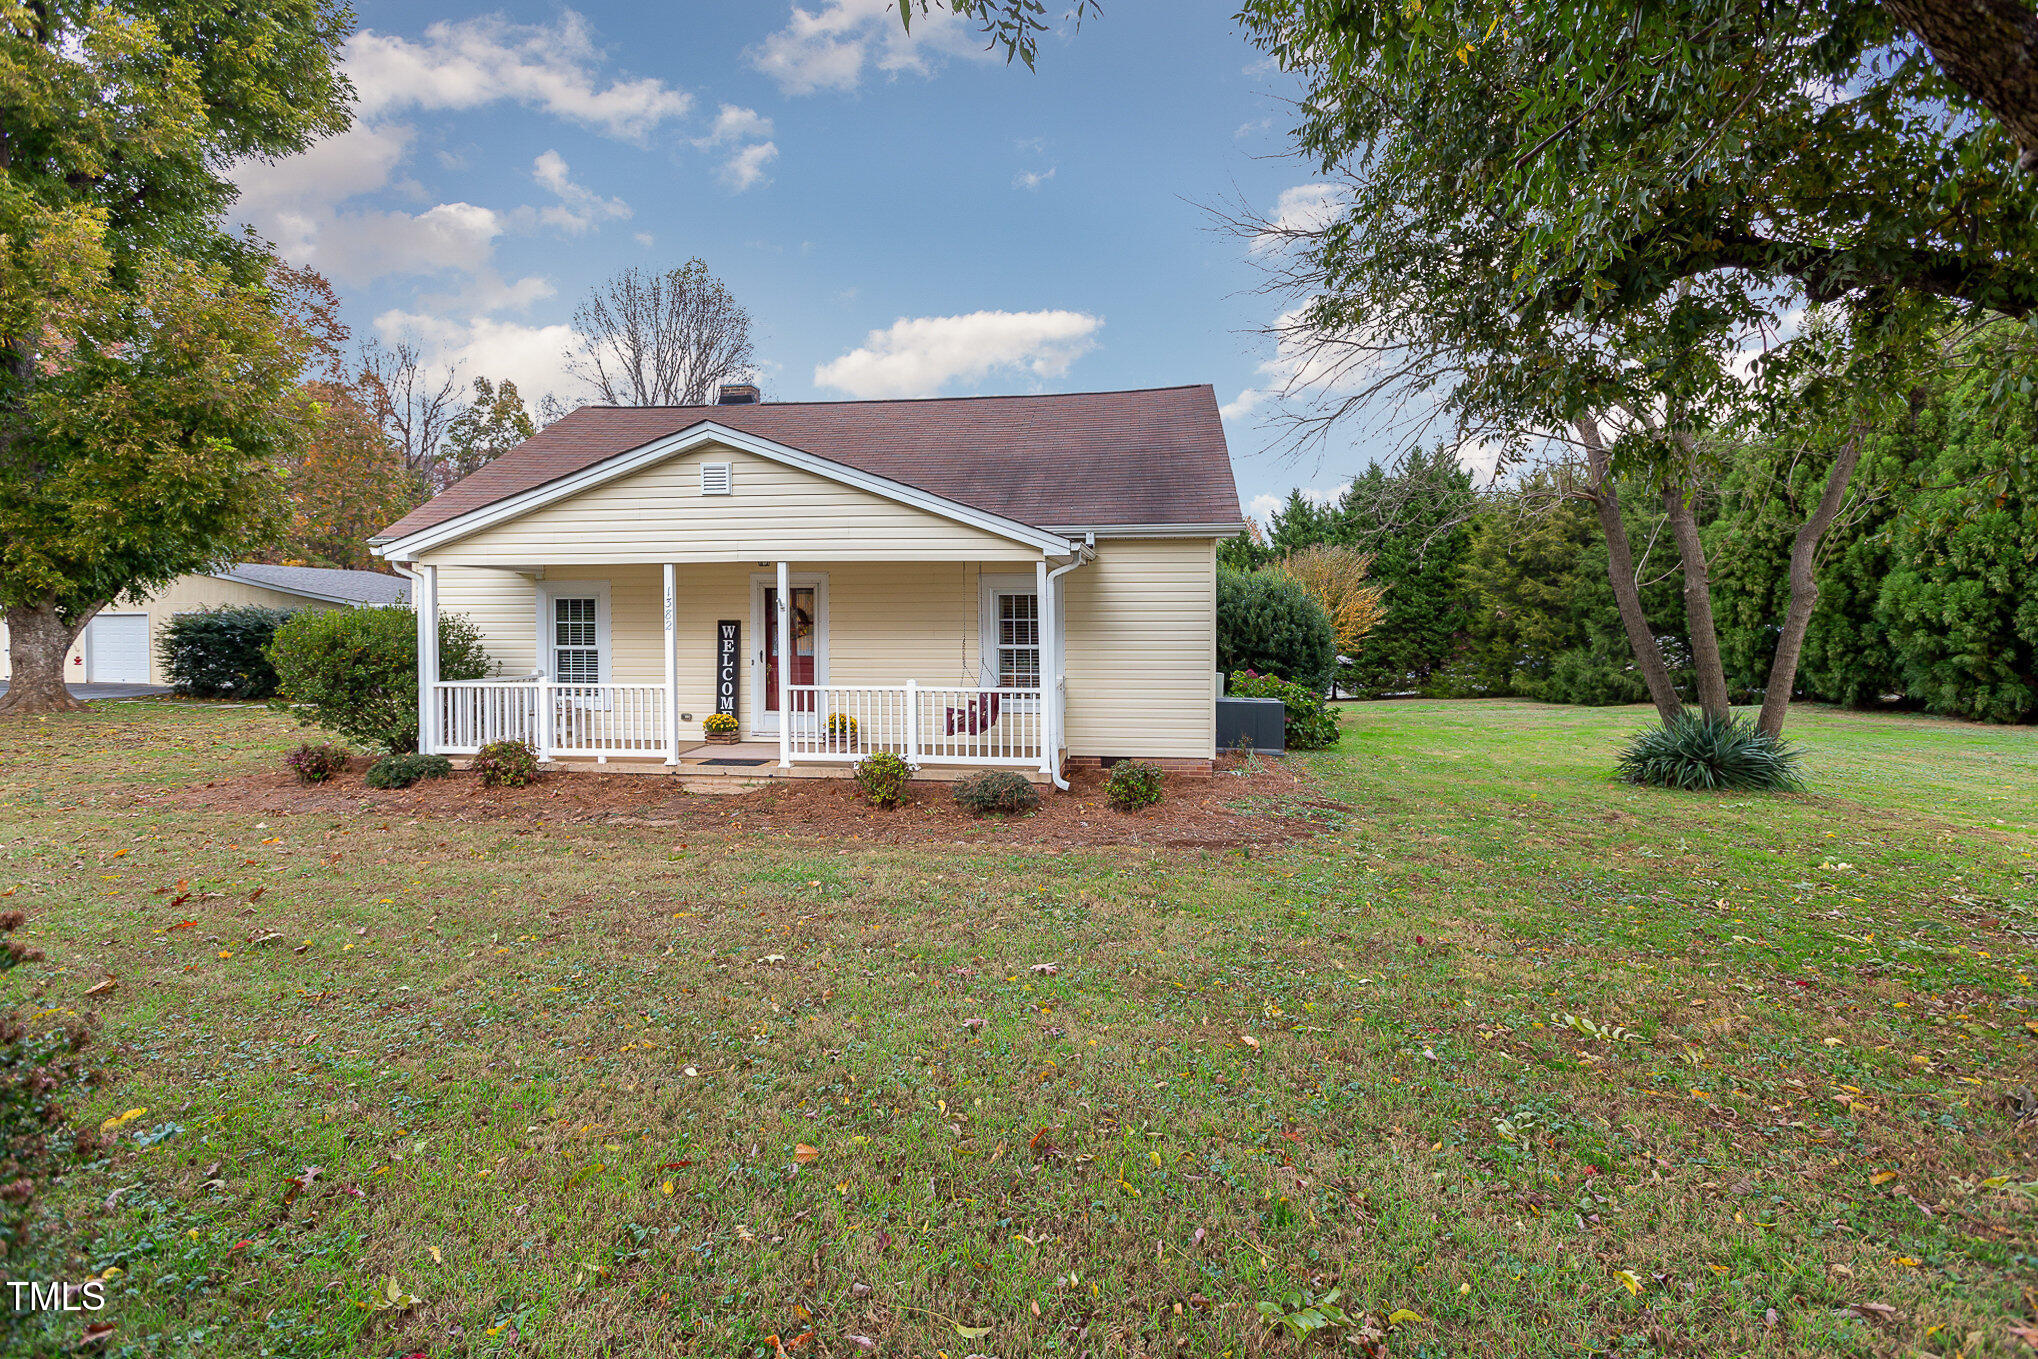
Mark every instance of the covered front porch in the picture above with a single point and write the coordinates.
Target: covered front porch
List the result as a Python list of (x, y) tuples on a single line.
[(950, 665)]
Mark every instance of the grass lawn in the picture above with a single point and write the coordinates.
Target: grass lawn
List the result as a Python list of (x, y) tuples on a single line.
[(1511, 1058)]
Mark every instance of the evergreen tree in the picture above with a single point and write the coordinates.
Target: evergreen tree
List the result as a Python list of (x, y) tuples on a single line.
[(1416, 521), (1528, 547)]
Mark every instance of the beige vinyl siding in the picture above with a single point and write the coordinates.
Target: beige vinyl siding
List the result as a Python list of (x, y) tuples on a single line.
[(659, 514), (1140, 623), (182, 595), (1141, 649)]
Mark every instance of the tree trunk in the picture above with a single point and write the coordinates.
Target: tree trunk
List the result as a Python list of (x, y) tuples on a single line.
[(1804, 587), (1988, 48), (1620, 568), (1698, 620), (38, 640)]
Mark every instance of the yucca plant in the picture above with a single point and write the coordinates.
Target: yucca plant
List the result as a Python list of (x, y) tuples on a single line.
[(1698, 753)]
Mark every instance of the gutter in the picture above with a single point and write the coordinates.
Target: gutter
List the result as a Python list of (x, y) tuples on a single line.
[(1083, 553)]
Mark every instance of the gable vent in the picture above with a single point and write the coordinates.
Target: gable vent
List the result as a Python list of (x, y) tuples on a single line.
[(717, 478)]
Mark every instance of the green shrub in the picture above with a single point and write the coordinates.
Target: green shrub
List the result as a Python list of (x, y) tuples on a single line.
[(1268, 623), (221, 653), (506, 764), (354, 671), (1310, 724), (37, 1069), (1133, 784), (996, 790), (1705, 753), (402, 770), (883, 778), (315, 762)]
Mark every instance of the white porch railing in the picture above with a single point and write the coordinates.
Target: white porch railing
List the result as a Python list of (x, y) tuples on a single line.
[(596, 720), (839, 723), (953, 725)]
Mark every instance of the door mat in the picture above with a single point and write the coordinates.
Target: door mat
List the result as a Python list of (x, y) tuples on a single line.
[(743, 763)]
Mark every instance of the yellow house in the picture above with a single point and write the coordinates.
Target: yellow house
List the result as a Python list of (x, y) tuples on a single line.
[(990, 581)]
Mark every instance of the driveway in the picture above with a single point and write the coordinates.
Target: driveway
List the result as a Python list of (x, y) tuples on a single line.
[(92, 691)]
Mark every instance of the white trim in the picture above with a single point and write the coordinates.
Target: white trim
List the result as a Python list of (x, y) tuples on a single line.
[(1152, 530), (991, 584), (694, 436), (545, 591), (669, 618), (758, 724)]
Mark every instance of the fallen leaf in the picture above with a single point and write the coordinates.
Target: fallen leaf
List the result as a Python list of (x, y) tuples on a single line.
[(1882, 1177), (1249, 1041), (862, 1342), (1054, 969), (101, 989), (805, 1154), (1402, 1316)]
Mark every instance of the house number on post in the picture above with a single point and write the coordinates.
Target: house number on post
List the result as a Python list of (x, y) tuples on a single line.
[(726, 650)]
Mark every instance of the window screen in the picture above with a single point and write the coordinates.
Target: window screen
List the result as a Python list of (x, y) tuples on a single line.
[(1018, 621), (576, 641)]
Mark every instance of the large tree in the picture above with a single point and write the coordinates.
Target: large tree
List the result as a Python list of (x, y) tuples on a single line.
[(146, 370), (645, 339), (1578, 222), (494, 422)]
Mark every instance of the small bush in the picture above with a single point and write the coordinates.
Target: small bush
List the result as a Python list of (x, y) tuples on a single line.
[(1309, 725), (996, 790), (36, 1070), (1269, 623), (355, 671), (719, 724), (1701, 753), (402, 770), (1132, 785), (883, 778), (506, 764), (221, 653), (315, 762)]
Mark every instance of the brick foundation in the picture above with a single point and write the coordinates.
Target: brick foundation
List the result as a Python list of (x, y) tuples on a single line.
[(1167, 764)]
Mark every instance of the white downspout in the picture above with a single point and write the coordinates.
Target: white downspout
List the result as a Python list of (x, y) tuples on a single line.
[(1052, 698), (417, 594)]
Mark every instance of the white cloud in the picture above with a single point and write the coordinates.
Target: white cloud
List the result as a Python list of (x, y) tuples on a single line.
[(918, 356), (1033, 179), (827, 49), (735, 124), (357, 247), (359, 160), (579, 207), (474, 62), (1302, 367), (533, 357), (1303, 209), (745, 169)]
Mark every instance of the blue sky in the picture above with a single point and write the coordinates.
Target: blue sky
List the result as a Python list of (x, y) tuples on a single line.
[(902, 216)]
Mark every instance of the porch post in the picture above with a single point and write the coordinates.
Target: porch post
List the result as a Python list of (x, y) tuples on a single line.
[(671, 715), (1050, 664), (784, 624), (428, 659)]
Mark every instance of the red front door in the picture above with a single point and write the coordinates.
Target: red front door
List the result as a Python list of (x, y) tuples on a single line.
[(804, 639)]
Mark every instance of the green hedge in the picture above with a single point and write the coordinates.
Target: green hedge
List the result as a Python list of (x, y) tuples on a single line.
[(222, 653), (1310, 725), (1270, 624), (355, 671)]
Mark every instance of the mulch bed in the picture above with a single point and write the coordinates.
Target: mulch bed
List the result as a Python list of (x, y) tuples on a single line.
[(1257, 803)]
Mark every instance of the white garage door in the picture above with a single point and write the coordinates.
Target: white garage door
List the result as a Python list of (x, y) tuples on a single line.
[(117, 649)]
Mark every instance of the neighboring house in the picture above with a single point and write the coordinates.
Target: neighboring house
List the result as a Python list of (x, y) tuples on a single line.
[(974, 581), (119, 645)]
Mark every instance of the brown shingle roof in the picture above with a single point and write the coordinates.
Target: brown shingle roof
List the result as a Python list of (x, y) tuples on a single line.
[(1079, 460)]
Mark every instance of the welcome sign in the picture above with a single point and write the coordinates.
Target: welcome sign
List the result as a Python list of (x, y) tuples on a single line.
[(727, 649)]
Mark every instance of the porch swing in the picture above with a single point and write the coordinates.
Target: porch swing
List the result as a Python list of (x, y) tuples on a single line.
[(976, 715)]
